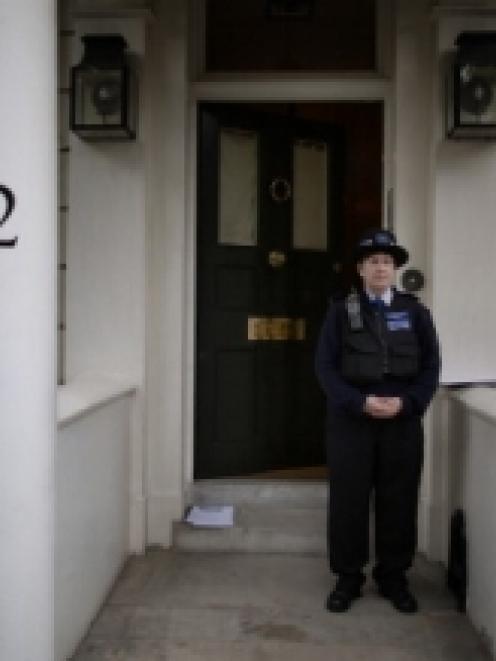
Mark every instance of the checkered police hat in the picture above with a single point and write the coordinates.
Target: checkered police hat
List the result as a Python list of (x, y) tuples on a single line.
[(375, 241)]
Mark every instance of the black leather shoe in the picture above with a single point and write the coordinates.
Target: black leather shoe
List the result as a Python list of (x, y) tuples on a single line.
[(339, 600), (401, 598)]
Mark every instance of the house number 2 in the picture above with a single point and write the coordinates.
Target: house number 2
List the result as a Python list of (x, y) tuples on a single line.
[(9, 199)]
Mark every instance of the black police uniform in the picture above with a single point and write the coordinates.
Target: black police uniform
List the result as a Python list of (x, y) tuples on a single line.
[(393, 352)]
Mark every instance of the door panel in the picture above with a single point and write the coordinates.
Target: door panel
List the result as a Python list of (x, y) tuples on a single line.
[(266, 247)]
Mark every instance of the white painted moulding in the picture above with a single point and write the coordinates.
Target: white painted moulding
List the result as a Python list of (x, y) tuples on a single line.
[(446, 9), (112, 8), (307, 88), (87, 393), (464, 4)]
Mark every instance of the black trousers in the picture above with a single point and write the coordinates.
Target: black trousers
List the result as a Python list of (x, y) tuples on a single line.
[(384, 456)]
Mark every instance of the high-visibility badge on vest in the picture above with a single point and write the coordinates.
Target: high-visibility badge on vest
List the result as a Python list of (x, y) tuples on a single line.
[(396, 321)]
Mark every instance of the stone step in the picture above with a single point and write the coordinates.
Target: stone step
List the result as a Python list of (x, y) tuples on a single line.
[(260, 528), (287, 493)]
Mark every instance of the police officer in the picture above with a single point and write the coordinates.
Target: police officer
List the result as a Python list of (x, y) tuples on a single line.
[(378, 363)]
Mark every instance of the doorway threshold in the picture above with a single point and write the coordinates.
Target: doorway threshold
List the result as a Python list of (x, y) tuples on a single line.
[(306, 473)]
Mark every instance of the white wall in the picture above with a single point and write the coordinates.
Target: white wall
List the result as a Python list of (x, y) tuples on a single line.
[(92, 516), (106, 272), (413, 126), (464, 231), (27, 328), (444, 202), (461, 240), (167, 198), (471, 433), (106, 239), (126, 255)]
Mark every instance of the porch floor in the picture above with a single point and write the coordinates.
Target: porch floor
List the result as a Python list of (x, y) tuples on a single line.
[(176, 606)]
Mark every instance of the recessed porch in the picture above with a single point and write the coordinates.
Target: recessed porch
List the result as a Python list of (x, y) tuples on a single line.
[(130, 323)]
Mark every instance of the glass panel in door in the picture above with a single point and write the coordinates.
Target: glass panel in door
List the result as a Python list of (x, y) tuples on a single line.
[(238, 188), (310, 197)]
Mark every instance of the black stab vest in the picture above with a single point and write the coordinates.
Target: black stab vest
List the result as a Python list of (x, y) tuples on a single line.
[(376, 351)]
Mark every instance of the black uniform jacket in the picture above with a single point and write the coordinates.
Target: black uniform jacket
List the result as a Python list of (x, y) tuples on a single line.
[(346, 397)]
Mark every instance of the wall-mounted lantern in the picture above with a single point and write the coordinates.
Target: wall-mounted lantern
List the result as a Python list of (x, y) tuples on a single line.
[(472, 92), (104, 91)]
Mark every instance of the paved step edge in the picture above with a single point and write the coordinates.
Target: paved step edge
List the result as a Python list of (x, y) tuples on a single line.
[(238, 492), (253, 540)]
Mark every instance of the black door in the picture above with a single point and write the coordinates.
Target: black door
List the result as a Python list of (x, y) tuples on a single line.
[(269, 219)]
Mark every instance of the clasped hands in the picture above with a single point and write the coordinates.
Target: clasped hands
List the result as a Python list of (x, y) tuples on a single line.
[(382, 407)]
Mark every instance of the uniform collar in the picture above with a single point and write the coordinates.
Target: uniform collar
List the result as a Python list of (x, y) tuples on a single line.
[(387, 296)]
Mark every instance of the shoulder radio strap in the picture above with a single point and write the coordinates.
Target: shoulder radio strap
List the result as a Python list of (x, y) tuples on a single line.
[(354, 310)]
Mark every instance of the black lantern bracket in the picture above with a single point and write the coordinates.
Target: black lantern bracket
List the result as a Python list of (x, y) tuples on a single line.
[(104, 90)]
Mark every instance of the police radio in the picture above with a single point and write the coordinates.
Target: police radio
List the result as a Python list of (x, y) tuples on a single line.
[(354, 310)]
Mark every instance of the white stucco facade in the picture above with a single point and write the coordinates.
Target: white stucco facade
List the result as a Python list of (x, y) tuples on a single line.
[(131, 255), (144, 306), (27, 330)]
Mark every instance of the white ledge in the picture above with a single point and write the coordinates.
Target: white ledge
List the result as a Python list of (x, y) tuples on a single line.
[(87, 393), (480, 399), (292, 87), (447, 9), (112, 9)]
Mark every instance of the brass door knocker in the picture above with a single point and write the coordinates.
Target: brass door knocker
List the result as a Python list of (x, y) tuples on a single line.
[(280, 190)]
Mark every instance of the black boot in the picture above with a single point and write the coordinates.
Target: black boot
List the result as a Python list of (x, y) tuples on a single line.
[(393, 586), (347, 589), (400, 596)]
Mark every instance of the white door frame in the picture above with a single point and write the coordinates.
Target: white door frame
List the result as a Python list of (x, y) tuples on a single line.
[(275, 90)]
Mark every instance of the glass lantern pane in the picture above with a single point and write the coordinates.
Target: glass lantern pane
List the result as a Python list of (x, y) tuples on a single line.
[(310, 197), (100, 98), (238, 187), (477, 94)]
